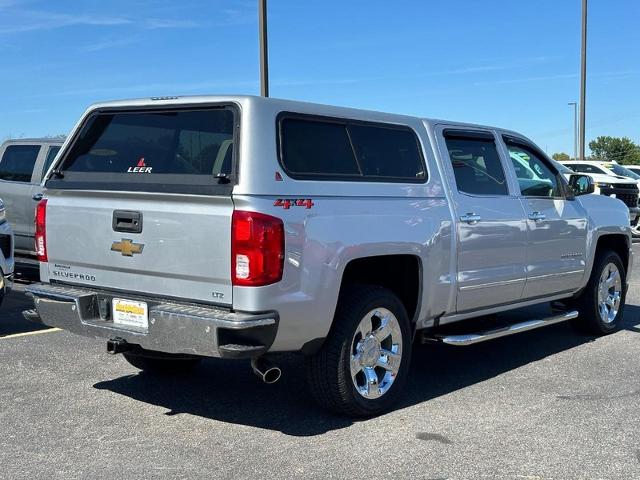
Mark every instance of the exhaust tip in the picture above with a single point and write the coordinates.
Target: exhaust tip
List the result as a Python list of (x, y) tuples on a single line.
[(272, 375), (265, 370)]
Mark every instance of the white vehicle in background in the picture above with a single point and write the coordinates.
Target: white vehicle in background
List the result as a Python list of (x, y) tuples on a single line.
[(6, 254), (601, 167), (613, 180)]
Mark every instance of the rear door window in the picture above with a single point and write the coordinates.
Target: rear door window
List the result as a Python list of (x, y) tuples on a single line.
[(476, 165), (312, 148), (18, 162), (153, 150)]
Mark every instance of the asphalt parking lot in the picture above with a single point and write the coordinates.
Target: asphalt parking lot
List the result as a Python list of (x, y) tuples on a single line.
[(547, 404)]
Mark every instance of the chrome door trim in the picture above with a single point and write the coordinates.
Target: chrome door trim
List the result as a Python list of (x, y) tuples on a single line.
[(492, 284), (560, 274)]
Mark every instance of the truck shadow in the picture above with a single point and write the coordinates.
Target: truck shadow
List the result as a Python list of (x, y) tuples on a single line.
[(227, 391)]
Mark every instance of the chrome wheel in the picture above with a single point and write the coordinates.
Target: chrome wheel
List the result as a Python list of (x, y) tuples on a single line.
[(609, 293), (376, 353)]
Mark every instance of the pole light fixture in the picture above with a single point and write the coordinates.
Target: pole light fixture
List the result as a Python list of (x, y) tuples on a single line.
[(583, 79), (264, 51), (575, 129)]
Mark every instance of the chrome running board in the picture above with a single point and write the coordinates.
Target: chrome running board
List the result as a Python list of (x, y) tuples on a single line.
[(473, 338)]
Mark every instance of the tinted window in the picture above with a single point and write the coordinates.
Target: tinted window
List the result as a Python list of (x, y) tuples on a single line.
[(51, 155), (536, 179), (476, 166), (318, 148), (586, 168), (387, 152), (18, 161), (176, 142), (350, 149)]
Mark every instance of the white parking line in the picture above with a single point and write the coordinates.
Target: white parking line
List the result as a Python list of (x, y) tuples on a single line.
[(25, 334)]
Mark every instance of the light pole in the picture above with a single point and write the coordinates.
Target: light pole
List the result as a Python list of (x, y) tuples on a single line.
[(583, 77), (575, 129), (264, 52)]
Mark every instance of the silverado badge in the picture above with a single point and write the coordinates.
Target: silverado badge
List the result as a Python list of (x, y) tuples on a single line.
[(127, 247)]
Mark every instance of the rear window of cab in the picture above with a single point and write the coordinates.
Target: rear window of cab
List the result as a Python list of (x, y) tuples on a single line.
[(316, 148), (175, 150)]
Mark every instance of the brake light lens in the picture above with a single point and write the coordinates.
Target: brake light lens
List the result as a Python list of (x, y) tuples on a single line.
[(257, 249), (41, 231)]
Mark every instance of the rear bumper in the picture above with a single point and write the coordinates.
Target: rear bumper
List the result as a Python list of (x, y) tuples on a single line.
[(173, 327)]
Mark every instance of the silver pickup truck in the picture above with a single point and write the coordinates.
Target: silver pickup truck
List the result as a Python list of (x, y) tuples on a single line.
[(239, 227), (23, 163)]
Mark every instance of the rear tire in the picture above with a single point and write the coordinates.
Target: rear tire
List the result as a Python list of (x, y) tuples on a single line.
[(362, 367), (150, 361), (601, 304)]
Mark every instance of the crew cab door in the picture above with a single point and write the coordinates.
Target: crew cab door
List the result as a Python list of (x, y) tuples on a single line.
[(556, 225), (490, 221)]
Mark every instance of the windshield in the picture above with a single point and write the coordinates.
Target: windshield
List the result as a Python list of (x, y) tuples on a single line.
[(620, 170)]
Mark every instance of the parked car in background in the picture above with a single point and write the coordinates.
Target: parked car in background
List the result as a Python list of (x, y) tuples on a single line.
[(613, 180), (23, 163), (6, 254), (239, 227), (611, 169)]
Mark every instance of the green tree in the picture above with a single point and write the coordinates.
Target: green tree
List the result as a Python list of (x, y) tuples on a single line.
[(622, 150), (561, 157)]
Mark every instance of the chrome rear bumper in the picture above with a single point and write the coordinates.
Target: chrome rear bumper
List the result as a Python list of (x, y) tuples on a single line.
[(173, 327)]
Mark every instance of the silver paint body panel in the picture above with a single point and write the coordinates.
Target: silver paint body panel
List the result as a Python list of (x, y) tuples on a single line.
[(466, 269), (18, 196)]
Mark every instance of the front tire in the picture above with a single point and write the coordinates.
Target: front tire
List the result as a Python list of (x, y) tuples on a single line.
[(362, 367), (601, 304), (150, 361)]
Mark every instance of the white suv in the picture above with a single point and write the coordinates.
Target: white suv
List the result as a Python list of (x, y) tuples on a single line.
[(613, 180)]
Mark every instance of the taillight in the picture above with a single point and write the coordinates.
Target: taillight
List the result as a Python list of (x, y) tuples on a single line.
[(257, 249), (41, 231)]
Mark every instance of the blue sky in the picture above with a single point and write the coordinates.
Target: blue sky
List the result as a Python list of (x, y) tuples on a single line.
[(510, 63)]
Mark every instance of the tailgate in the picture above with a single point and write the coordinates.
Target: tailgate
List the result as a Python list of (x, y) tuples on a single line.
[(183, 249), (140, 201)]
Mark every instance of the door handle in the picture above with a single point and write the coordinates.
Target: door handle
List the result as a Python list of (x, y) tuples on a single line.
[(37, 197), (536, 216), (127, 221), (470, 218)]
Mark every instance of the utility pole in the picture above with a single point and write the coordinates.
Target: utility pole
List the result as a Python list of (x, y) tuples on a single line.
[(575, 129), (583, 79), (264, 52)]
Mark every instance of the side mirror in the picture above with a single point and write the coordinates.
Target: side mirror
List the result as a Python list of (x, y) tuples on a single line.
[(581, 184)]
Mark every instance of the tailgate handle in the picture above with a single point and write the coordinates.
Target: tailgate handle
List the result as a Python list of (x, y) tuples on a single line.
[(127, 221)]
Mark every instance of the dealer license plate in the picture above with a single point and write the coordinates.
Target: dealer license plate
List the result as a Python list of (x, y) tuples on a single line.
[(130, 314)]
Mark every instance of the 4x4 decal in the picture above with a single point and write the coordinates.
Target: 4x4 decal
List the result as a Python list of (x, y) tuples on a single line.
[(287, 203)]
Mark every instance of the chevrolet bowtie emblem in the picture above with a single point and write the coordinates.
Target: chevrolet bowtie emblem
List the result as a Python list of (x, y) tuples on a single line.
[(127, 247)]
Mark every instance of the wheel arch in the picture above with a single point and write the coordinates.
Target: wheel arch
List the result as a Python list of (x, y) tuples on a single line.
[(616, 242)]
